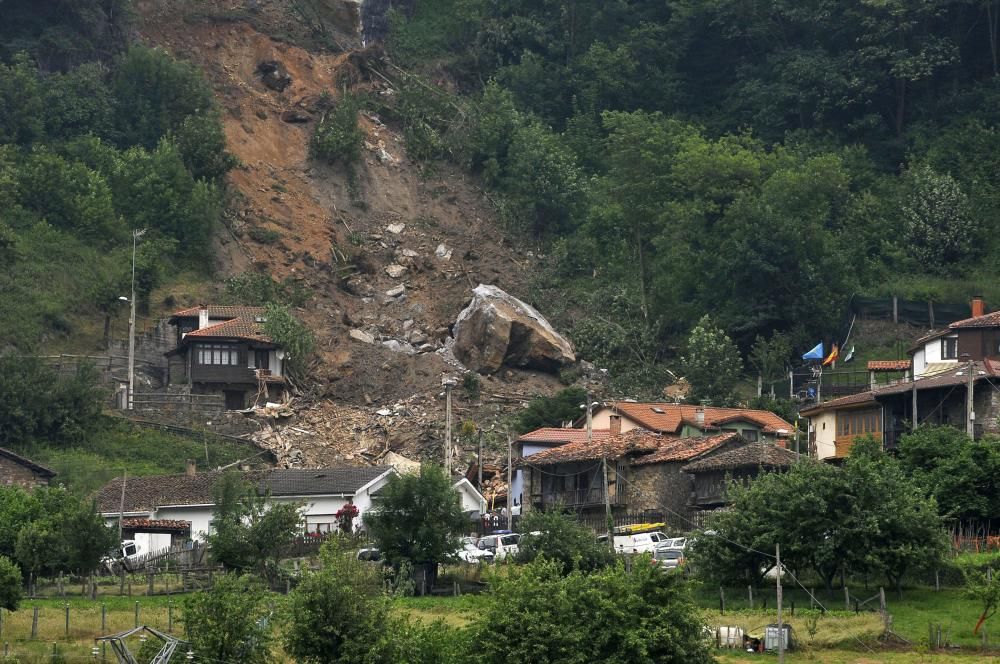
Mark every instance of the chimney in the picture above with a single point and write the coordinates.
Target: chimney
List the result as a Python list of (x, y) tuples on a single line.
[(699, 416), (978, 306), (616, 425), (202, 317), (192, 467)]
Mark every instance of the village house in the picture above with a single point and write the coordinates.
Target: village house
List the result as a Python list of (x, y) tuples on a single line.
[(541, 440), (160, 510), (16, 470), (645, 474), (689, 420), (713, 474), (956, 383), (168, 502), (223, 350)]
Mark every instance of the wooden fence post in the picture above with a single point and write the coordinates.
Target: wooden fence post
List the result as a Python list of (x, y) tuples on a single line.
[(34, 622), (67, 618), (104, 619), (847, 599), (722, 601), (750, 595), (137, 613)]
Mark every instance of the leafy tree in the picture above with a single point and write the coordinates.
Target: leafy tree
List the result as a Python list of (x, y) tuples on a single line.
[(231, 621), (770, 357), (340, 614), (291, 334), (985, 589), (940, 230), (248, 530), (20, 103), (202, 145), (418, 519), (10, 584), (711, 363), (960, 473), (552, 411), (154, 94), (558, 537), (537, 614), (68, 535), (77, 103)]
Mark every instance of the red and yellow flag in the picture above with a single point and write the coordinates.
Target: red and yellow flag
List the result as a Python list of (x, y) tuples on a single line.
[(832, 357)]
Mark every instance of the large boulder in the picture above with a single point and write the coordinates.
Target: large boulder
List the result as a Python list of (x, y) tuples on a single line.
[(498, 329)]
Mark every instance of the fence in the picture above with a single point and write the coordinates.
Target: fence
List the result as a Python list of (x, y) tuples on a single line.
[(177, 401), (922, 313)]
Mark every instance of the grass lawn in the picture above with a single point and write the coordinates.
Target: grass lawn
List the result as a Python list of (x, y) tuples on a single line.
[(848, 657)]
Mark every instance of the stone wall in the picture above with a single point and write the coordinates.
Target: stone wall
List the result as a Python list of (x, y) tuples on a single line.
[(986, 404), (13, 473), (661, 487)]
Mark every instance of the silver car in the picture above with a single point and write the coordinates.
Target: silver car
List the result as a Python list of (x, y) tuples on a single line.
[(668, 558)]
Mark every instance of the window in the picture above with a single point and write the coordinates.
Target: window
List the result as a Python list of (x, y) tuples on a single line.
[(859, 422), (750, 435), (949, 348), (220, 354), (262, 359)]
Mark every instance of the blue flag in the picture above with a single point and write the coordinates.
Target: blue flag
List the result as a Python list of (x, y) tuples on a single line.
[(815, 354)]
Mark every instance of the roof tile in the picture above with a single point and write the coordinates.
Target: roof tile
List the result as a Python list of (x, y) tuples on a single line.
[(668, 417), (988, 320), (888, 365), (766, 455), (561, 435)]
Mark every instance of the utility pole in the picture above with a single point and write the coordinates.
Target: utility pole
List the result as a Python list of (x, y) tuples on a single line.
[(604, 469), (480, 461), (136, 234), (913, 408), (449, 383), (970, 412), (781, 629), (510, 497), (121, 505)]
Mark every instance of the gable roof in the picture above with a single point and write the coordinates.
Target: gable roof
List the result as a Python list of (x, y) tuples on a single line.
[(685, 449), (144, 494), (561, 436), (646, 447), (987, 320), (850, 400), (668, 417), (220, 311), (613, 447), (28, 463), (237, 328), (752, 455)]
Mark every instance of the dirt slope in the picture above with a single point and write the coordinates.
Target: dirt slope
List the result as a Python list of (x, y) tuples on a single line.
[(310, 225)]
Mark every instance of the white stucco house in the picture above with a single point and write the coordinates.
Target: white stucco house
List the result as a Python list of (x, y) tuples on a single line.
[(159, 510)]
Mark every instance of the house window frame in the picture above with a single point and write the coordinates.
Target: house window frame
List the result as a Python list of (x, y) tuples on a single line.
[(218, 355), (949, 348)]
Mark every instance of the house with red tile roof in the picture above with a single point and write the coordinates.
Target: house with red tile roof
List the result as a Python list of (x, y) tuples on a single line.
[(691, 420), (974, 338), (224, 350), (644, 474)]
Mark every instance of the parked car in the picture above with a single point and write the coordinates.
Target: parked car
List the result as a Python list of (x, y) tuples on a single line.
[(668, 558), (501, 545), (370, 555), (124, 557), (640, 542), (675, 543), (469, 552)]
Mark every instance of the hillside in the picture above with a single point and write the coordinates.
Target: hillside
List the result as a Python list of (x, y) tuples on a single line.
[(330, 233)]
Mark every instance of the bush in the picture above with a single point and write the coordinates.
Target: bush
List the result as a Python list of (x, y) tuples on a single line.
[(10, 584), (289, 333), (338, 136), (552, 411), (264, 235), (230, 621), (535, 614), (562, 539)]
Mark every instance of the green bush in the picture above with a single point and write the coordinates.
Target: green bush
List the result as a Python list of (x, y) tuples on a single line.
[(552, 411), (559, 537), (338, 137), (264, 235)]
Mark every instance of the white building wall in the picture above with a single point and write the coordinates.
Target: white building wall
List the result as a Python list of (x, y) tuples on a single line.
[(601, 419), (517, 481), (919, 362), (825, 427)]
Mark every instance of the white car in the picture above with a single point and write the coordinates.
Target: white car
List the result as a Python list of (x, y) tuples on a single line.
[(468, 552), (501, 546)]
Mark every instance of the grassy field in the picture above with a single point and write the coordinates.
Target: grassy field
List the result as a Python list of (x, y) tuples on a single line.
[(838, 637)]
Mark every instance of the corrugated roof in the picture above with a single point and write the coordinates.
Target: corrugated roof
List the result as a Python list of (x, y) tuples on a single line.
[(888, 365), (561, 436), (761, 454), (685, 449), (987, 320), (668, 417)]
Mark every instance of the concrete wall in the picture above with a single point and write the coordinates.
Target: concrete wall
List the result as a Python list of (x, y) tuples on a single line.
[(602, 420), (823, 435), (15, 474)]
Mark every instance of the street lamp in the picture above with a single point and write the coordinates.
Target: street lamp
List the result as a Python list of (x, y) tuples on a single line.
[(449, 382), (136, 234)]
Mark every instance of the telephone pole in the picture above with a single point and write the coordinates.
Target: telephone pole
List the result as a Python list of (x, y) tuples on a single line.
[(448, 383), (970, 408), (781, 629), (136, 234), (604, 469), (510, 497)]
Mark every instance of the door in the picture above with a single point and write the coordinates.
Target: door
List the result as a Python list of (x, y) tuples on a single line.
[(262, 359), (235, 399)]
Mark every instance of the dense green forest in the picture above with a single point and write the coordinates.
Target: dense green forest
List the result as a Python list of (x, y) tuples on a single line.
[(97, 137), (759, 162)]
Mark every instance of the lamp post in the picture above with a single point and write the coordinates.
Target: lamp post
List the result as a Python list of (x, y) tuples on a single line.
[(136, 234), (448, 382)]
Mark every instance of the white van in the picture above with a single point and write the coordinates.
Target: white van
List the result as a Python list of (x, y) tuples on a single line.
[(640, 542), (502, 545)]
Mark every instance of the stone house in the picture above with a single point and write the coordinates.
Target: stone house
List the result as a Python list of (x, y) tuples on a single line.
[(713, 474), (645, 474), (223, 350), (16, 470), (687, 420)]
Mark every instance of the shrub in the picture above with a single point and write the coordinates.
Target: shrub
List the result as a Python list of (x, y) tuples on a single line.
[(264, 235), (289, 333), (230, 621), (338, 136), (560, 538), (552, 411)]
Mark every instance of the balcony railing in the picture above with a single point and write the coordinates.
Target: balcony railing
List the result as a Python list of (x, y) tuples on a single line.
[(579, 497)]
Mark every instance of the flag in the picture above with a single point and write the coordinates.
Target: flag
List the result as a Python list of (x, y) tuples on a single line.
[(832, 357), (815, 354), (850, 355)]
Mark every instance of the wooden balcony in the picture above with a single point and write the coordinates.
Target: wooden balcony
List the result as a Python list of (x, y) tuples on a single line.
[(577, 498), (843, 444)]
